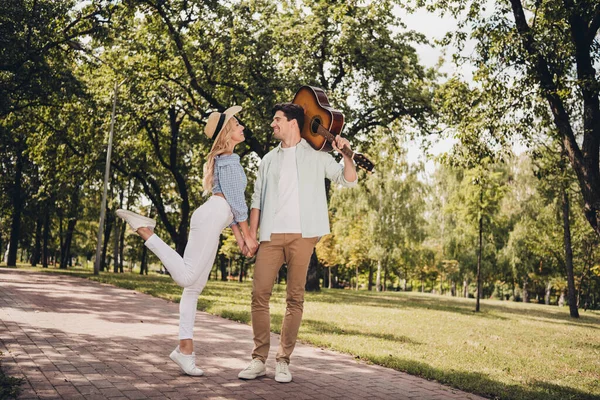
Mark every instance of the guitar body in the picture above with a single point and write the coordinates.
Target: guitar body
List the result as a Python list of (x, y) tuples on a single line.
[(323, 123), (318, 111)]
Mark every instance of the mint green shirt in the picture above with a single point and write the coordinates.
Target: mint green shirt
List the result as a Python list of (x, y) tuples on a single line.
[(313, 167)]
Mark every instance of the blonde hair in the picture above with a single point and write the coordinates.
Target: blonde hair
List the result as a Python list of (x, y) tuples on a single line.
[(220, 146)]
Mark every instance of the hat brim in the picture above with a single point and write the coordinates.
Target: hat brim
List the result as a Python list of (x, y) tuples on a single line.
[(229, 113)]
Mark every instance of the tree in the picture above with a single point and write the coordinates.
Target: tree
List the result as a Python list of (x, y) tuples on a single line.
[(475, 206), (246, 55), (381, 221), (536, 63), (34, 71)]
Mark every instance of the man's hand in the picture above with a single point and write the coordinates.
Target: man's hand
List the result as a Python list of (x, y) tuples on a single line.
[(339, 143), (251, 243), (247, 253)]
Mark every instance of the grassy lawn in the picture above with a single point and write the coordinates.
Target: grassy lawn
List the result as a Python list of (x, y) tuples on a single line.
[(507, 351)]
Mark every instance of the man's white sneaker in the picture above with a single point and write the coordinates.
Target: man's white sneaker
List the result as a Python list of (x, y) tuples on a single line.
[(255, 369), (282, 372), (136, 221), (187, 362)]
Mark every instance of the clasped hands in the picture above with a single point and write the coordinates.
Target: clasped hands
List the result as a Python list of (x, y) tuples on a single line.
[(246, 240), (248, 246)]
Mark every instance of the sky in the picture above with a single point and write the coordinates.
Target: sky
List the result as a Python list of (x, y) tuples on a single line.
[(434, 27)]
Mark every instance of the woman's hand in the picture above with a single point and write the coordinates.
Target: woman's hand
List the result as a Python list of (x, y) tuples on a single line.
[(252, 244), (246, 252)]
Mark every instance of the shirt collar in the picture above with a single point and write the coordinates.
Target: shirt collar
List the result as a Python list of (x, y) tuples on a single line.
[(301, 143)]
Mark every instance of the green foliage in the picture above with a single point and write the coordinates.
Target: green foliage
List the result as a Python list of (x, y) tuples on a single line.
[(536, 77), (382, 218), (34, 65)]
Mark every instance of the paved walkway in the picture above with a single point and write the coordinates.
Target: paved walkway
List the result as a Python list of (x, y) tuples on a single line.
[(73, 338)]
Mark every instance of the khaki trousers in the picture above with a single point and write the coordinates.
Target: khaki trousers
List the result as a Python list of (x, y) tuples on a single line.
[(295, 251)]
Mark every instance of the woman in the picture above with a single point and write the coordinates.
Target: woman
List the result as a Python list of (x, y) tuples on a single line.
[(227, 207)]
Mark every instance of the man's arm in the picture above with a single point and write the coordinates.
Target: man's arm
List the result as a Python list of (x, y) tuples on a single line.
[(346, 175), (254, 219), (349, 167), (256, 203)]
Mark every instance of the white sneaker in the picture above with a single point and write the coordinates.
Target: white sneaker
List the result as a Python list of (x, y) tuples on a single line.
[(187, 362), (136, 221), (282, 372), (255, 369)]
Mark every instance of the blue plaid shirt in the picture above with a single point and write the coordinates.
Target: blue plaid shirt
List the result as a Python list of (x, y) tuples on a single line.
[(230, 179)]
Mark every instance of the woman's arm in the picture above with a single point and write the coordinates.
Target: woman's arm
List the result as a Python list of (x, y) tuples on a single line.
[(248, 239), (233, 182)]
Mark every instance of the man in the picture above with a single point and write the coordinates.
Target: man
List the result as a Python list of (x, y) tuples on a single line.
[(290, 205)]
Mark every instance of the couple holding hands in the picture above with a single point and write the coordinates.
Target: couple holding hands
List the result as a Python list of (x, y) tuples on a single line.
[(288, 215)]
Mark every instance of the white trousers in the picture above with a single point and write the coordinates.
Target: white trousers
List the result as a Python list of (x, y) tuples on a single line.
[(193, 269)]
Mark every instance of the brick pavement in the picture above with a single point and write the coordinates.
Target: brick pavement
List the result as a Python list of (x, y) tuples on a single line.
[(72, 338)]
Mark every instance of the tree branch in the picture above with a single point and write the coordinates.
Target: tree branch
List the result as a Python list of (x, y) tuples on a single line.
[(594, 25), (175, 35), (153, 136), (549, 91)]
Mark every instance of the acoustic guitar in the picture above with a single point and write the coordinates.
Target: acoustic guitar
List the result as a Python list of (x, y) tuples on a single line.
[(322, 123)]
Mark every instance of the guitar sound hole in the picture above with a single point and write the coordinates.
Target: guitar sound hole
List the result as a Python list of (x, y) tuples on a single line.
[(314, 125)]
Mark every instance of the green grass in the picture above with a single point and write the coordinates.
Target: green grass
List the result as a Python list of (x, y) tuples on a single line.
[(508, 350)]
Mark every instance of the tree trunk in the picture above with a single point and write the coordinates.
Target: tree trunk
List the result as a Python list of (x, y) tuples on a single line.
[(45, 251), (61, 239), (312, 276), (107, 230), (385, 278), (453, 289), (37, 247), (378, 279), (548, 293), (586, 297), (356, 274), (561, 299), (116, 248), (313, 283), (465, 288), (282, 274), (329, 277), (370, 286), (144, 262), (66, 250), (584, 160), (242, 270), (479, 253), (572, 294), (525, 291), (122, 245), (17, 206), (223, 267)]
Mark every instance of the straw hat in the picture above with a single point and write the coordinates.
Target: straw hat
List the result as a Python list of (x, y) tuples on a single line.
[(217, 121)]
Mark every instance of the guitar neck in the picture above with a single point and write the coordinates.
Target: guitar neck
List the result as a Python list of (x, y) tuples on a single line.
[(329, 136), (360, 160)]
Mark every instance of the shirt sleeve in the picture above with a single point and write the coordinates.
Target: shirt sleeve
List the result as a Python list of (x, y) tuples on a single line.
[(335, 172), (256, 195), (233, 184)]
